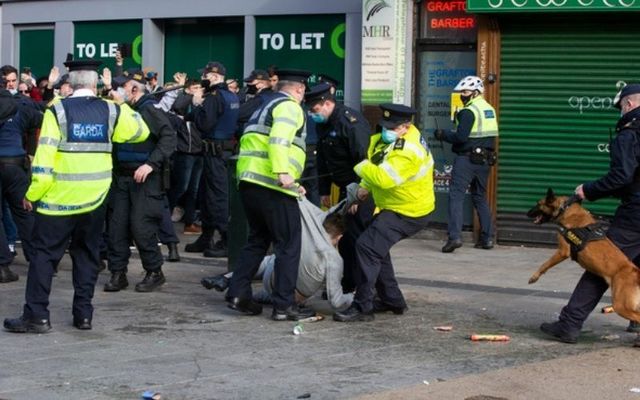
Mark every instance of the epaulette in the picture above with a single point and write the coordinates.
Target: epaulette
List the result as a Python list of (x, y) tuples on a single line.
[(350, 117), (399, 144)]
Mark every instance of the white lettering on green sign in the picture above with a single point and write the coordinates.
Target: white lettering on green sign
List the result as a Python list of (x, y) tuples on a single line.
[(90, 50), (297, 41)]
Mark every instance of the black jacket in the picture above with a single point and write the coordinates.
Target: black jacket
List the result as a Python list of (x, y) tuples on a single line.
[(161, 130), (623, 178), (343, 142)]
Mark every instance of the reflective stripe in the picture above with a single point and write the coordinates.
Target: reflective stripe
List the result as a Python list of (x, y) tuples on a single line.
[(90, 176), (391, 172), (62, 120), (280, 141), (285, 120), (86, 147), (113, 113), (265, 155), (295, 165), (265, 179), (299, 141), (62, 207), (422, 172), (418, 150), (259, 154), (48, 141), (138, 133)]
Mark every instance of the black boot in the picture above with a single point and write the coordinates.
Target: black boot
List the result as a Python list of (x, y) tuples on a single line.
[(151, 282), (173, 256), (451, 245), (201, 244), (353, 314), (218, 282), (26, 325), (6, 275), (117, 282), (219, 249)]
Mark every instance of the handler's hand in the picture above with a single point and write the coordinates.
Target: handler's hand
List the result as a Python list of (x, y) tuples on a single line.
[(142, 172), (285, 180), (26, 204), (580, 192)]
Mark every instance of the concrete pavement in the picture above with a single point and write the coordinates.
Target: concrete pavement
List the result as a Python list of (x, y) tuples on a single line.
[(184, 343)]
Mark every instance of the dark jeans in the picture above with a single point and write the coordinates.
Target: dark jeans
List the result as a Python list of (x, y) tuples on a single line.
[(136, 209), (50, 239), (273, 217), (374, 260), (465, 175), (14, 183), (215, 207), (185, 181)]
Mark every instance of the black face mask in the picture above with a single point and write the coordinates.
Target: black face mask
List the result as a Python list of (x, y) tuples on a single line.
[(465, 99), (252, 89)]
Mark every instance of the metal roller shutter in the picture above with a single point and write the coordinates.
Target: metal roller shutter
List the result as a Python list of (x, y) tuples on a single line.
[(558, 79)]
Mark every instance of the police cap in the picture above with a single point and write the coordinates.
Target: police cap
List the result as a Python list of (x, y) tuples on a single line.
[(215, 67), (317, 94), (132, 74), (82, 65), (632, 88), (395, 114), (322, 78), (63, 79), (294, 75), (258, 74)]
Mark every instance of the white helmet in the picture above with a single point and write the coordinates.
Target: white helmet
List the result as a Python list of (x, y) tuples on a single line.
[(470, 83)]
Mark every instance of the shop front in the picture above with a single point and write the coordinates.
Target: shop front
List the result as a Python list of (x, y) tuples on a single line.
[(556, 67)]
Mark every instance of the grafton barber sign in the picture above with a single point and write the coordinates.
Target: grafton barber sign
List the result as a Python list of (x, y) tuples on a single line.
[(480, 6)]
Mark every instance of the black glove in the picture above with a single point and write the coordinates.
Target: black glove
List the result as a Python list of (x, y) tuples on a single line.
[(439, 134)]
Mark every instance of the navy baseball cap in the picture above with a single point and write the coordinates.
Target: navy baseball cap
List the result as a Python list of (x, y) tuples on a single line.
[(132, 74), (213, 66)]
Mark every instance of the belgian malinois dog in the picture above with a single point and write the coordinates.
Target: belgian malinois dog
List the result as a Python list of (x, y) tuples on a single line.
[(600, 257)]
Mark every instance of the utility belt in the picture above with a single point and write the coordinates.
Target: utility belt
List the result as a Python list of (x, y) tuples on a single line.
[(18, 161), (217, 147), (481, 155)]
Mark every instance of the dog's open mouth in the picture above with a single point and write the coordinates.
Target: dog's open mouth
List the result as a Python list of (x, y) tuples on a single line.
[(539, 217)]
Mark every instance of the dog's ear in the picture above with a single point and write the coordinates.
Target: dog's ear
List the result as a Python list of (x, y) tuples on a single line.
[(550, 196)]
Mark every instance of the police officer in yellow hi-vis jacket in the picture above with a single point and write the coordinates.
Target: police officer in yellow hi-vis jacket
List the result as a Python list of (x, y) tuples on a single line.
[(271, 159), (71, 178), (398, 173)]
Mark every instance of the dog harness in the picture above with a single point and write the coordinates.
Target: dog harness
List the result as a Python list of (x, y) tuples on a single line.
[(579, 237)]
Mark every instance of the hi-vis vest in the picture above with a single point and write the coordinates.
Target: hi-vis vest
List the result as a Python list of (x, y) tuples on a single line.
[(272, 143), (486, 123), (402, 179), (71, 171)]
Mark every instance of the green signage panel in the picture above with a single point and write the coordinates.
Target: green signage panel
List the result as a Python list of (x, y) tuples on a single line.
[(100, 40), (190, 44), (313, 42), (36, 51), (485, 6)]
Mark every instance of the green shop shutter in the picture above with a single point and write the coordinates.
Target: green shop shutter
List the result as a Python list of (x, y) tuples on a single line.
[(36, 50), (558, 79)]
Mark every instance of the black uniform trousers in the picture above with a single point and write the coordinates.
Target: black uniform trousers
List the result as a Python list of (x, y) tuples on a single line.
[(273, 217), (355, 224), (14, 182), (166, 231), (215, 207), (135, 213), (466, 173), (374, 260), (50, 239), (591, 287), (309, 176)]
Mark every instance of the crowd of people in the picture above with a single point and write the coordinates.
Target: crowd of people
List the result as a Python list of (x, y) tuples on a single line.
[(93, 161)]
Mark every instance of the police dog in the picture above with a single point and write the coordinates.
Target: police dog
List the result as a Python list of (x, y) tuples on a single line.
[(600, 257)]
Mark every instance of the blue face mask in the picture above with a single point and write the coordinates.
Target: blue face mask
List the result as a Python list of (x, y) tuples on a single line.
[(318, 118), (388, 136)]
